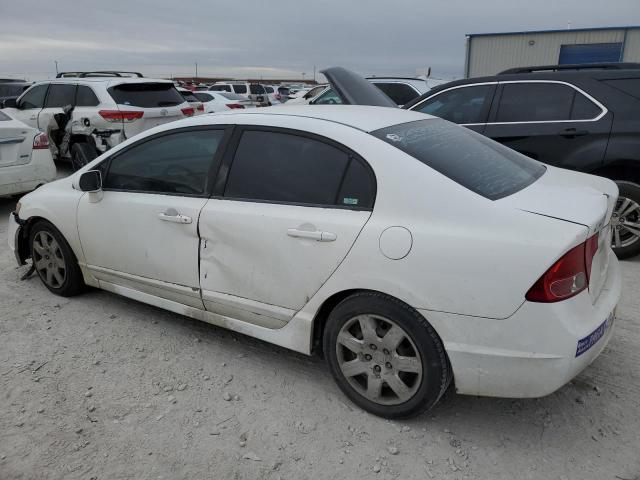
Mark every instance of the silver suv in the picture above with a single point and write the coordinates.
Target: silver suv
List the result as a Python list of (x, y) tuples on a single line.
[(108, 107), (253, 91)]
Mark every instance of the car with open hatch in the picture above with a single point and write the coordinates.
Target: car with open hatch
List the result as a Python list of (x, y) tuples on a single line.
[(412, 252)]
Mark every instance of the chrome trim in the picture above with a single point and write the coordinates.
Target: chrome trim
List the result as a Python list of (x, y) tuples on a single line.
[(603, 109)]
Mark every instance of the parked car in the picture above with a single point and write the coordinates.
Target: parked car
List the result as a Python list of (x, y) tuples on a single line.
[(221, 101), (11, 88), (273, 94), (192, 100), (114, 105), (403, 90), (580, 117), (305, 97), (406, 248), (25, 159), (253, 91)]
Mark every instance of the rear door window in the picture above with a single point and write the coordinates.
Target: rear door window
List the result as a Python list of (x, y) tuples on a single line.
[(400, 93), (543, 102), (146, 95), (240, 88), (220, 88), (463, 105), (177, 163), (287, 168), (34, 98), (256, 89), (60, 95), (85, 97), (466, 157)]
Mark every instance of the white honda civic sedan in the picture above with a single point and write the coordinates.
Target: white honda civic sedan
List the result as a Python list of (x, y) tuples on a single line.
[(411, 251)]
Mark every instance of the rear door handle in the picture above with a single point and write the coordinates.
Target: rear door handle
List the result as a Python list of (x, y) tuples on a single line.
[(316, 235), (572, 132), (172, 215)]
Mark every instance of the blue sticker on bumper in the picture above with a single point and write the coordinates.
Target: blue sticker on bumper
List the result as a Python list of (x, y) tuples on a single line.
[(590, 340)]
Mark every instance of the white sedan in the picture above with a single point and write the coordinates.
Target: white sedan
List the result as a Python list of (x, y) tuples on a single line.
[(220, 101), (25, 158), (413, 252)]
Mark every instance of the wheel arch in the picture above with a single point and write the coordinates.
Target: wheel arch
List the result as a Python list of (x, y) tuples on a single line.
[(628, 170)]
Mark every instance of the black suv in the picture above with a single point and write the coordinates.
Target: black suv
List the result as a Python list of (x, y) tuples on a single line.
[(580, 117)]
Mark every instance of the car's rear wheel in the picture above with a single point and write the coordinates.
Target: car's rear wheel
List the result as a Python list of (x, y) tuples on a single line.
[(385, 356), (625, 221), (54, 260)]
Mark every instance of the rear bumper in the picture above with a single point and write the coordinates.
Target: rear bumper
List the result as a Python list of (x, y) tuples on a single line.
[(25, 178), (535, 351)]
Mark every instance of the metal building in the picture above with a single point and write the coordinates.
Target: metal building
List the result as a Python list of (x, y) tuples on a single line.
[(490, 53)]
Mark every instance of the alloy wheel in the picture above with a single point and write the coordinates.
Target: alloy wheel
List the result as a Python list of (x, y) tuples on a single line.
[(49, 260), (379, 359), (625, 223)]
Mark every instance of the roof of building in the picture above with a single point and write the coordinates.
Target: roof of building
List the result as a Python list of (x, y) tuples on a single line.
[(625, 27)]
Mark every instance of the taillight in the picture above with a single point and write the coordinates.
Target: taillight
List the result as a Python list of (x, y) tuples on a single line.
[(41, 141), (188, 111), (126, 116), (568, 276), (200, 107), (234, 105)]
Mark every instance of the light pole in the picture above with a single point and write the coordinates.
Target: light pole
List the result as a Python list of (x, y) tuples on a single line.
[(56, 62), (303, 74), (196, 72)]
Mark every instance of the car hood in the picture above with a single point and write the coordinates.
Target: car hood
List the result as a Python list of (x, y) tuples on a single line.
[(354, 89)]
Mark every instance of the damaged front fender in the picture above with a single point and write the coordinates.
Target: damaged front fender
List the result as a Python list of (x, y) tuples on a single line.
[(20, 239)]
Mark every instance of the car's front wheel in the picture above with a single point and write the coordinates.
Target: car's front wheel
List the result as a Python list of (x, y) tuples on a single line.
[(54, 260), (385, 356), (625, 221)]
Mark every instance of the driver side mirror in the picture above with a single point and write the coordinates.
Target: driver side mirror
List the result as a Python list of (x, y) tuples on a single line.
[(90, 181)]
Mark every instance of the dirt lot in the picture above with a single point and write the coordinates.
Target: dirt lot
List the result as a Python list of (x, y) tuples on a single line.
[(103, 387)]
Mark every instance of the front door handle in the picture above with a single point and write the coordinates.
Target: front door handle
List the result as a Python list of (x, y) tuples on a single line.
[(316, 235), (172, 215)]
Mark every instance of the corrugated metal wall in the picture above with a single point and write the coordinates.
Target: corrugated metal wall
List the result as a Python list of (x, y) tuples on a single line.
[(491, 54)]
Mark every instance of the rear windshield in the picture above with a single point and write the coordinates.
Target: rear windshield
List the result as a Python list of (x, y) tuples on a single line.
[(466, 157), (189, 96), (146, 95), (12, 90), (256, 89), (203, 97)]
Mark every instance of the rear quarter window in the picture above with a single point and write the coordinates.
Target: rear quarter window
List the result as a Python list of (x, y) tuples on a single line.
[(256, 89), (146, 95), (466, 157)]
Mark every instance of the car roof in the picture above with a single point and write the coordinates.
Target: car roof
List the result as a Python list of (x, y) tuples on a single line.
[(364, 118), (104, 80)]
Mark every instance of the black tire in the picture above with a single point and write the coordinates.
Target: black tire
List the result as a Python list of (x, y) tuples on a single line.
[(81, 154), (631, 191), (436, 372), (72, 282)]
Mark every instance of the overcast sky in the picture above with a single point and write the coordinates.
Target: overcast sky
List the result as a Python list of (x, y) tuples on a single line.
[(275, 38)]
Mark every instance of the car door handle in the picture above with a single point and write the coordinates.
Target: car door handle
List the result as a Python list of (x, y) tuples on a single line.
[(316, 235), (172, 216), (10, 141), (572, 132)]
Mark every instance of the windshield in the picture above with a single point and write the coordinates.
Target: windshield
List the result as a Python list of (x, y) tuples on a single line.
[(466, 157)]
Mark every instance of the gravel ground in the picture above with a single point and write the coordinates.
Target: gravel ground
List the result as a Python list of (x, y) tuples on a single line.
[(99, 386)]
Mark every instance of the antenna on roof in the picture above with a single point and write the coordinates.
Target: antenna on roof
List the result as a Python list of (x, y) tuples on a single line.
[(569, 25)]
